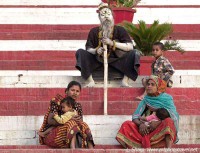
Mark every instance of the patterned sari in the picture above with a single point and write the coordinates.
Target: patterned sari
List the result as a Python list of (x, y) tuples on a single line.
[(129, 136), (61, 136)]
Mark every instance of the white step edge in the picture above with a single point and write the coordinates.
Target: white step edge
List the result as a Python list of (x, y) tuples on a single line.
[(94, 2), (21, 130), (70, 45), (59, 79)]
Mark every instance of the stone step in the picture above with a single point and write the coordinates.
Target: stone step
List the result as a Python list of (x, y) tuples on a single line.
[(85, 3), (96, 146), (35, 101), (79, 15), (21, 130), (173, 150), (59, 79), (65, 60), (78, 32), (70, 45)]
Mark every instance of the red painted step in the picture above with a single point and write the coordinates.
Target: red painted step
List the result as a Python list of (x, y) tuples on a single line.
[(35, 101), (65, 60), (39, 149), (96, 146), (78, 32)]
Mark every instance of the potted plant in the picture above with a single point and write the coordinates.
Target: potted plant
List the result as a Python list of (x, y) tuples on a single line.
[(145, 36), (123, 9)]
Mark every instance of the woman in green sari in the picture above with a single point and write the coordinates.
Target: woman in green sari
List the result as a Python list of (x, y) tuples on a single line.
[(163, 133)]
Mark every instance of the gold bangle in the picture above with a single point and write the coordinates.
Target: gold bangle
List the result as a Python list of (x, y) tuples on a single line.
[(114, 45)]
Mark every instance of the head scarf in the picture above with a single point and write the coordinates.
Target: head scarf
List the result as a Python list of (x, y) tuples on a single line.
[(101, 6), (161, 84), (162, 101)]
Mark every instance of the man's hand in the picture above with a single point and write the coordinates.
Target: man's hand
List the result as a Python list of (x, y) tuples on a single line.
[(100, 50), (107, 41), (143, 129)]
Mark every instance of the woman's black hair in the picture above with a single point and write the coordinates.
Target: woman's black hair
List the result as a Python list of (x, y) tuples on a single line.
[(69, 101), (72, 83)]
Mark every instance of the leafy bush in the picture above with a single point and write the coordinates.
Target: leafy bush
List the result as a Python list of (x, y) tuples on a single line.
[(145, 35)]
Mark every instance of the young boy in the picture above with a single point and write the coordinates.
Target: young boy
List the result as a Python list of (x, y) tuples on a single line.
[(67, 105), (161, 67)]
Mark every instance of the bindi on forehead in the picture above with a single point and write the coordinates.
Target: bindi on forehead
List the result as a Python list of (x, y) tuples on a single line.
[(105, 11)]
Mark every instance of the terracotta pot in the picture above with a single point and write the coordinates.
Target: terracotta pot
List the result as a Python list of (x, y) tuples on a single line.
[(123, 13), (145, 65)]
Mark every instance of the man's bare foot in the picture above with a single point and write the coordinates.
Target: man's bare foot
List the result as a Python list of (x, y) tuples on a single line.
[(90, 84), (41, 134), (124, 82), (91, 81)]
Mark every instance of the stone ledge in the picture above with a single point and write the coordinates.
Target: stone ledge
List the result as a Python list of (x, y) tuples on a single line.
[(173, 150), (21, 130)]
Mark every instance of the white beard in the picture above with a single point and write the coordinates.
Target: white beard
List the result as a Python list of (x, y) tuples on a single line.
[(107, 26)]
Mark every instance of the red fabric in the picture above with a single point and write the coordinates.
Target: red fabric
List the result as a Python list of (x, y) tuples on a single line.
[(146, 142), (129, 136), (60, 136)]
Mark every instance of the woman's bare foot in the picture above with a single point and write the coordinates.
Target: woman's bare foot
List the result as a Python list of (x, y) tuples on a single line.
[(73, 142), (140, 97), (90, 145), (41, 134), (168, 141)]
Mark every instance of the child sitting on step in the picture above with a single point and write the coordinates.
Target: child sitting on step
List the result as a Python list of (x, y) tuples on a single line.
[(161, 67), (67, 105)]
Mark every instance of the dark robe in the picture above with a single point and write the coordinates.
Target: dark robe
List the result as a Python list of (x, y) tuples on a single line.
[(127, 64)]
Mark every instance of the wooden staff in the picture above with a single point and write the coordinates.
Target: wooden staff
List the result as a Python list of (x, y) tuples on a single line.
[(105, 62)]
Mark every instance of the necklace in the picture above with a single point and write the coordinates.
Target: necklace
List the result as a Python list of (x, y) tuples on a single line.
[(100, 36)]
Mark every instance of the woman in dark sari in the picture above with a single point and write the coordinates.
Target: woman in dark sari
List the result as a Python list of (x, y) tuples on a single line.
[(159, 134), (73, 134)]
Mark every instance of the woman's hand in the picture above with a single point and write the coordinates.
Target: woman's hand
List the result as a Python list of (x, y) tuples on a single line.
[(77, 118), (143, 129), (153, 125), (51, 120)]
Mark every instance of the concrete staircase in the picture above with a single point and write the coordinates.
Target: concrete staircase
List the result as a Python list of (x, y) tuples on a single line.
[(38, 41)]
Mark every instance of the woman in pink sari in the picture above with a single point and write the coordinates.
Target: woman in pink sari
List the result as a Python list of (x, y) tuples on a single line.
[(159, 134)]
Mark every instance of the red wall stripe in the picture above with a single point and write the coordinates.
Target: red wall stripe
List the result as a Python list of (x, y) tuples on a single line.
[(65, 60), (34, 101), (78, 32)]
